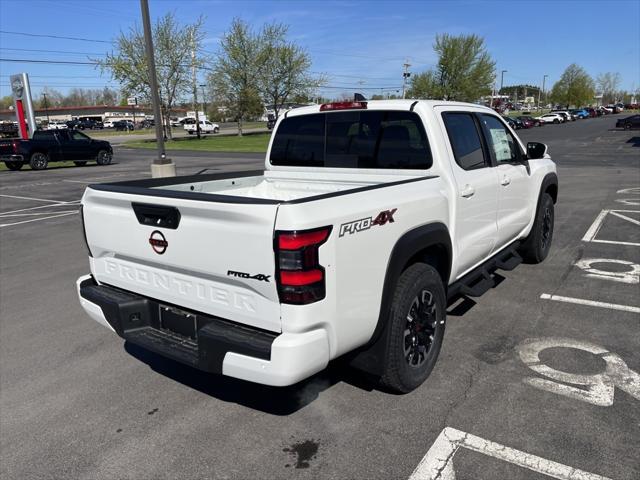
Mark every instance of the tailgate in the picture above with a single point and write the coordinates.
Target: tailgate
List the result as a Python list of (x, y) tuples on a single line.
[(218, 260)]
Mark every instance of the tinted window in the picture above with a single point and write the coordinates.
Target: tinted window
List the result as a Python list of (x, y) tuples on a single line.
[(79, 136), (501, 141), (353, 139), (465, 140), (43, 134)]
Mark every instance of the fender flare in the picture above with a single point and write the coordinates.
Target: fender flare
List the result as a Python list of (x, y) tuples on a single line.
[(369, 357), (549, 180)]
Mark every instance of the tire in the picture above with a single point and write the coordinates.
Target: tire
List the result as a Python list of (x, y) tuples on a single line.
[(556, 121), (80, 163), (535, 247), (38, 161), (416, 328), (14, 165), (190, 132), (103, 157), (627, 126), (216, 130)]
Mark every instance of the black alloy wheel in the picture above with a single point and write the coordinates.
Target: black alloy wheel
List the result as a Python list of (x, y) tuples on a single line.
[(103, 158), (420, 329), (39, 161)]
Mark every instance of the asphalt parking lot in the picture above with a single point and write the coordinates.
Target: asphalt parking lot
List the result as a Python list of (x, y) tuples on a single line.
[(539, 378)]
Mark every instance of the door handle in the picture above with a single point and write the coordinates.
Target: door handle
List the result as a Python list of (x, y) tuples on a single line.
[(468, 191), (505, 181)]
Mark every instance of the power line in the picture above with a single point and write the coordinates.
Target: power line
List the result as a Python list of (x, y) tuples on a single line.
[(52, 51), (50, 62), (59, 37)]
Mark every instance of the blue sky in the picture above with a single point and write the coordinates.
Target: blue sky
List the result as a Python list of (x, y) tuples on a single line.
[(350, 41)]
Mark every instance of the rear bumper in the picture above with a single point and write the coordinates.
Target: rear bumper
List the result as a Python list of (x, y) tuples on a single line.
[(218, 345), (11, 158)]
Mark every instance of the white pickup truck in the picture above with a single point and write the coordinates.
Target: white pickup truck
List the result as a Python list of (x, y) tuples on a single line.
[(369, 218), (205, 127)]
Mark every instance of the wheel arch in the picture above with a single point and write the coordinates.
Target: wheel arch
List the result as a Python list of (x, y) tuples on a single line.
[(429, 244), (549, 185)]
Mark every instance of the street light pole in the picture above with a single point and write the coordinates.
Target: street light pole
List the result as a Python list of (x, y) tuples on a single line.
[(540, 91), (46, 107), (161, 166), (501, 81)]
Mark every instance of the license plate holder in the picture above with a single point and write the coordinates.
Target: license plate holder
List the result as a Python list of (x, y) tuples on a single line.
[(178, 321)]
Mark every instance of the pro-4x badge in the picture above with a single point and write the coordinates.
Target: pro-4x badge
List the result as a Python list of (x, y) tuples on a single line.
[(383, 218), (259, 276)]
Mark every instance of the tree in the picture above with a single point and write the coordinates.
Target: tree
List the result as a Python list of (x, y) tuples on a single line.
[(575, 87), (283, 68), (608, 84), (425, 85), (177, 50), (465, 70), (234, 80), (6, 102)]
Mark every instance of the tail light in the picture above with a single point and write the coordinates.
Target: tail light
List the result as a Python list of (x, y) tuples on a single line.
[(14, 144), (84, 230), (300, 277)]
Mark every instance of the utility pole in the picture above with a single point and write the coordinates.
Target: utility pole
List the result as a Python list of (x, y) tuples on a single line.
[(46, 107), (161, 166), (544, 78), (195, 84), (501, 81), (406, 74), (204, 100)]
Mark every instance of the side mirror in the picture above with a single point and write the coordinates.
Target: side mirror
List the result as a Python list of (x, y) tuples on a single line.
[(536, 150)]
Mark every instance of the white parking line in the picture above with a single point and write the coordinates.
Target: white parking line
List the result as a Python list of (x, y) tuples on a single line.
[(37, 219), (591, 303), (63, 204), (31, 214), (599, 221), (34, 199), (437, 464)]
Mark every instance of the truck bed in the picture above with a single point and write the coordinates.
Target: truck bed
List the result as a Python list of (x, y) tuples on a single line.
[(261, 187)]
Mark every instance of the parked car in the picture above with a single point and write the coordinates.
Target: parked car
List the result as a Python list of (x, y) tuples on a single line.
[(8, 129), (628, 123), (268, 276), (513, 122), (606, 110), (205, 127), (84, 124), (592, 112), (551, 118), (580, 113), (526, 123), (564, 114), (108, 124), (57, 126), (530, 121), (123, 126), (54, 146)]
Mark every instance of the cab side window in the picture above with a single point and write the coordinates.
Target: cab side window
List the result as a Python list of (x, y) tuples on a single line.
[(501, 141), (465, 140)]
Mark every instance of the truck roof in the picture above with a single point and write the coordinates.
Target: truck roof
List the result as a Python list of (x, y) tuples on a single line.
[(402, 104)]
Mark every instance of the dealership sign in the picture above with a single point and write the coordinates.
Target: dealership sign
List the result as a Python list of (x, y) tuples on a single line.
[(25, 115)]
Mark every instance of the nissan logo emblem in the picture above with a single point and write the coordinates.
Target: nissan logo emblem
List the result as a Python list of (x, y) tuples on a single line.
[(158, 242)]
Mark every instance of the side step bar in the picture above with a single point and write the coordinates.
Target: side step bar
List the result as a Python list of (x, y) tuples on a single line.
[(480, 280)]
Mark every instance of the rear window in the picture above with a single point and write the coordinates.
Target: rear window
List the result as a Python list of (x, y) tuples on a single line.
[(352, 139), (43, 134)]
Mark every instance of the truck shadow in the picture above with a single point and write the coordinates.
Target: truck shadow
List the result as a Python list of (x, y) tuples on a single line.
[(279, 401), (634, 141)]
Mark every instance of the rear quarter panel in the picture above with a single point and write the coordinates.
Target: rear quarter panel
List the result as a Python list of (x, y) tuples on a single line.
[(356, 263)]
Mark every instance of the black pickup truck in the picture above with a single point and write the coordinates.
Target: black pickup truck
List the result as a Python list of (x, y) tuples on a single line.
[(54, 146)]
